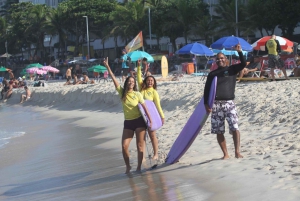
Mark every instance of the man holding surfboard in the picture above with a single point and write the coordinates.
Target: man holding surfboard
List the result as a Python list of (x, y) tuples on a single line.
[(224, 107)]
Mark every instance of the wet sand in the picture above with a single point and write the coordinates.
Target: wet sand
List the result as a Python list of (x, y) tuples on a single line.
[(75, 155)]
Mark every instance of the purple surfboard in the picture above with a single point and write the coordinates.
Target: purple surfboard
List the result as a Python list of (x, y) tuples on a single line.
[(192, 127), (156, 119)]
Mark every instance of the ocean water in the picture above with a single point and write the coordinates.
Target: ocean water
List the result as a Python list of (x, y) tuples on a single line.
[(11, 126), (6, 136)]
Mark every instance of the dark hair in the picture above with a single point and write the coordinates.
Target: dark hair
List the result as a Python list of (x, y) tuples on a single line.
[(84, 73), (144, 84), (125, 89), (145, 59), (221, 53), (25, 87)]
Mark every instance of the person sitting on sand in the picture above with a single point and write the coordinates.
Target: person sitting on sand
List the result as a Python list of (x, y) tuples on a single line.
[(147, 87), (224, 107), (26, 96), (5, 87), (9, 91), (253, 66), (85, 79), (134, 122)]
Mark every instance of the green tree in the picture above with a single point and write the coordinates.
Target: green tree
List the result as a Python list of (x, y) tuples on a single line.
[(226, 17), (128, 20), (37, 28), (18, 18)]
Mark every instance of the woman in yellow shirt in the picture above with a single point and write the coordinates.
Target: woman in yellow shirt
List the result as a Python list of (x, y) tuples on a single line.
[(147, 87), (134, 122)]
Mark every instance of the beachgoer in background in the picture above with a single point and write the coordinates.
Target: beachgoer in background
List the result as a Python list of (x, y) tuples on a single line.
[(253, 66), (9, 91), (26, 96), (125, 67), (134, 122), (69, 74), (85, 79), (75, 79), (5, 87), (195, 62), (273, 48), (147, 87), (224, 107), (11, 75), (146, 67)]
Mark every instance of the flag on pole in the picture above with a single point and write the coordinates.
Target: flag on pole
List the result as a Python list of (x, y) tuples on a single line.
[(136, 43)]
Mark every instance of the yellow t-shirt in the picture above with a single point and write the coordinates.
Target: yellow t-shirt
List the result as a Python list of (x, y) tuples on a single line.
[(149, 93), (130, 106), (272, 47)]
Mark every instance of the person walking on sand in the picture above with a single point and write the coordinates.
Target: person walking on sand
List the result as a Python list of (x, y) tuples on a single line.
[(147, 87), (134, 122), (26, 96), (224, 107), (273, 48)]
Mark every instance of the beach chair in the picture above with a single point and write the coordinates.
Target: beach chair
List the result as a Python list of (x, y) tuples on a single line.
[(290, 63)]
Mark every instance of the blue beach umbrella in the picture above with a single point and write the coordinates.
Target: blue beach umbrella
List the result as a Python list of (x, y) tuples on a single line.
[(195, 48), (229, 42), (136, 55), (230, 52)]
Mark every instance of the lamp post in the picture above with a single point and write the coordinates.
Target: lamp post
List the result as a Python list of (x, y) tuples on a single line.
[(87, 34), (236, 18), (150, 27)]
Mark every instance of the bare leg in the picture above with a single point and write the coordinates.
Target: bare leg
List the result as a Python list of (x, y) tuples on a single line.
[(154, 142), (284, 72), (222, 143), (236, 141), (272, 74), (21, 100), (140, 145), (126, 139)]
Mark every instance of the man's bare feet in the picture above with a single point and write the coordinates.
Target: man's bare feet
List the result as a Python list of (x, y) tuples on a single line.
[(225, 157), (238, 155), (155, 157), (138, 170), (128, 170)]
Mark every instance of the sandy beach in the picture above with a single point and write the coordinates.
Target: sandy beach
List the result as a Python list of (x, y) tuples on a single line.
[(77, 156)]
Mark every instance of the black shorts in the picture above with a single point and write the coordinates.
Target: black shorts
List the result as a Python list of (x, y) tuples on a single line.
[(134, 124), (69, 78), (125, 71)]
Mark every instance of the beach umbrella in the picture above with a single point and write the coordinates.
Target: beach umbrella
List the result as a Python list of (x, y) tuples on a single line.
[(196, 49), (50, 69), (229, 52), (228, 43), (2, 69), (284, 43), (97, 68), (136, 55), (35, 70), (37, 65)]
